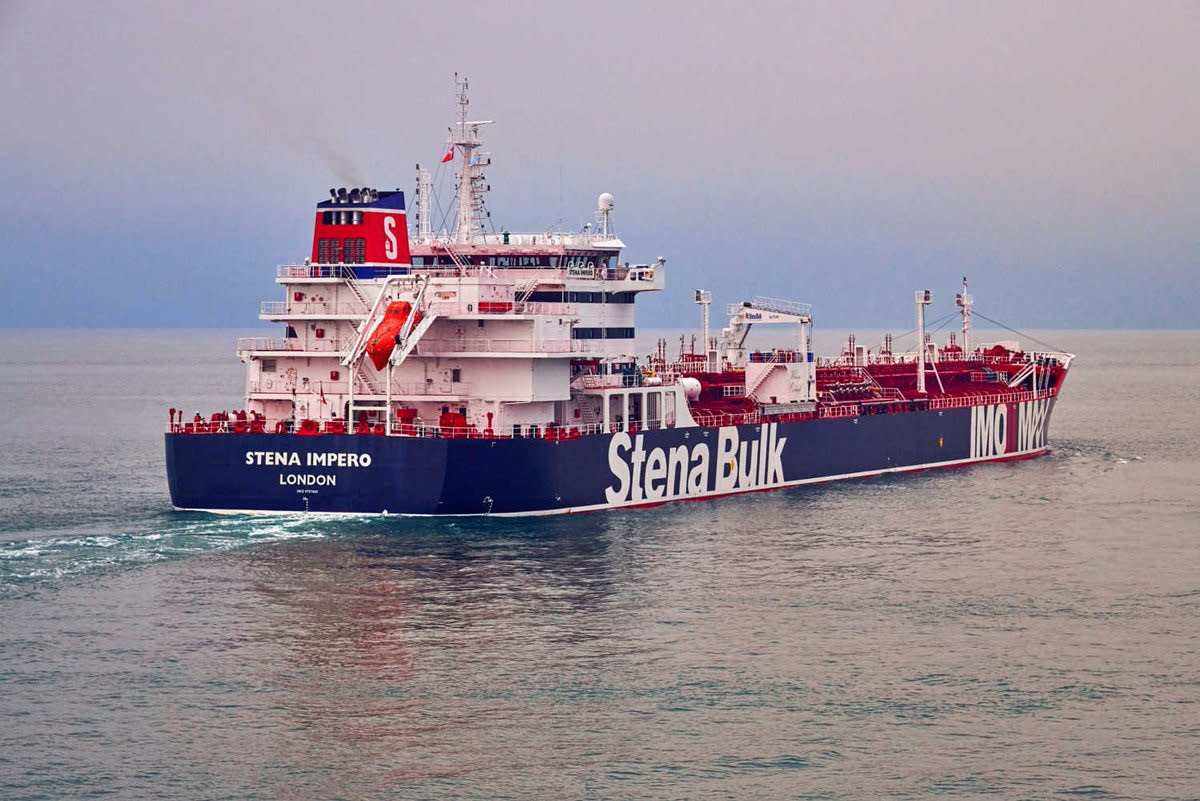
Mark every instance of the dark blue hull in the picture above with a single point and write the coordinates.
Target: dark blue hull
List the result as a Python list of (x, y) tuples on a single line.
[(428, 476)]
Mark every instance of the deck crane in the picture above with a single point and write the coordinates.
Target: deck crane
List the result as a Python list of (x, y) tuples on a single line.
[(800, 381), (742, 316)]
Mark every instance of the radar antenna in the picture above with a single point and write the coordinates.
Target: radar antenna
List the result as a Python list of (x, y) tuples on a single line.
[(965, 302), (464, 137)]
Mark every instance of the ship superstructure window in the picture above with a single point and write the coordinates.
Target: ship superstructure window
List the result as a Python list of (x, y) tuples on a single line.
[(582, 297), (602, 333)]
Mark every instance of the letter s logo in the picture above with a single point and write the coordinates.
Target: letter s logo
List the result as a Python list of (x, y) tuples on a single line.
[(390, 248)]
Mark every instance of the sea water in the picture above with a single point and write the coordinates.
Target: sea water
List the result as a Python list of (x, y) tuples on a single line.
[(1020, 630)]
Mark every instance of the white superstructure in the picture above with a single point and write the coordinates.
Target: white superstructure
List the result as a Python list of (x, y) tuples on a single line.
[(509, 332)]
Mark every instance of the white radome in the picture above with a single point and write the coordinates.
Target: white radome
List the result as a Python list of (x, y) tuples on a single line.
[(604, 202)]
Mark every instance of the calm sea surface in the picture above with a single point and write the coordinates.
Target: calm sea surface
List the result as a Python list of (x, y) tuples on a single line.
[(1027, 630)]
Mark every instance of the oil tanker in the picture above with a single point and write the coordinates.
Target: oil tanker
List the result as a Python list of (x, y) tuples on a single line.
[(476, 372)]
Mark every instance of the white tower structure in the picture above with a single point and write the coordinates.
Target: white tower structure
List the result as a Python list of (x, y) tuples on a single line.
[(464, 138), (704, 300), (424, 205), (964, 302), (923, 298)]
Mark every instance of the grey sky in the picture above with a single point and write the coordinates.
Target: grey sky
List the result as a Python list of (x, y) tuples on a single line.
[(159, 159)]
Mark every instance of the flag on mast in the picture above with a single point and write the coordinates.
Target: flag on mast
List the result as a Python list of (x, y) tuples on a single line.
[(449, 155)]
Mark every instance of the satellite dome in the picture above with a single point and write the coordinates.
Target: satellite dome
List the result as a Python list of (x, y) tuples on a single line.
[(604, 202)]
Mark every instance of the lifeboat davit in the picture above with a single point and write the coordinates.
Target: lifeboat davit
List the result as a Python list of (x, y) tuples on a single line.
[(383, 339)]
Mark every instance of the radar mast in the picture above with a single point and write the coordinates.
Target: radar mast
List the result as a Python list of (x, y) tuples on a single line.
[(464, 137)]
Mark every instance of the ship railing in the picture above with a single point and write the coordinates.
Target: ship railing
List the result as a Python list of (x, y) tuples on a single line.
[(839, 410), (989, 399), (554, 433), (491, 345), (618, 273), (292, 344), (709, 419), (544, 239), (264, 343), (602, 346), (441, 388), (277, 308), (272, 384), (314, 271), (599, 382), (230, 423), (1053, 358), (775, 356), (782, 306), (613, 381), (547, 308), (887, 395)]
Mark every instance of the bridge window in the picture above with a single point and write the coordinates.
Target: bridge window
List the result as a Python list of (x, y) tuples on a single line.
[(602, 333)]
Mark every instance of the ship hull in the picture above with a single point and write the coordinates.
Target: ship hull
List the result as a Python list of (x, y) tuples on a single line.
[(355, 474)]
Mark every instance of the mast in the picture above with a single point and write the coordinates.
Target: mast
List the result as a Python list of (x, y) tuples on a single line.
[(923, 298), (464, 137), (964, 302), (704, 300)]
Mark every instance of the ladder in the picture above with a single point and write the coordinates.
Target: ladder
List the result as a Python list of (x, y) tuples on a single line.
[(462, 266), (587, 411), (524, 295), (354, 290), (367, 381), (758, 382)]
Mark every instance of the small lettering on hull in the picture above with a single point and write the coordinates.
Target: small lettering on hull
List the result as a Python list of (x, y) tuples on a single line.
[(307, 480)]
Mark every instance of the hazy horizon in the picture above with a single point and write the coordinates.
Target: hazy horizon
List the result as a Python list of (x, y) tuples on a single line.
[(161, 160)]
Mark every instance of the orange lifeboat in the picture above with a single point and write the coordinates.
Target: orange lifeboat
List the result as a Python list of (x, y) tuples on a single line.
[(383, 339)]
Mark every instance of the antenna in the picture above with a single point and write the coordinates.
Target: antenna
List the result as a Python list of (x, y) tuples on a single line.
[(965, 302), (471, 180), (604, 209)]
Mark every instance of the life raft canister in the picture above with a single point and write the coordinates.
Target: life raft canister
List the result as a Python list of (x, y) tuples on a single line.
[(383, 338)]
